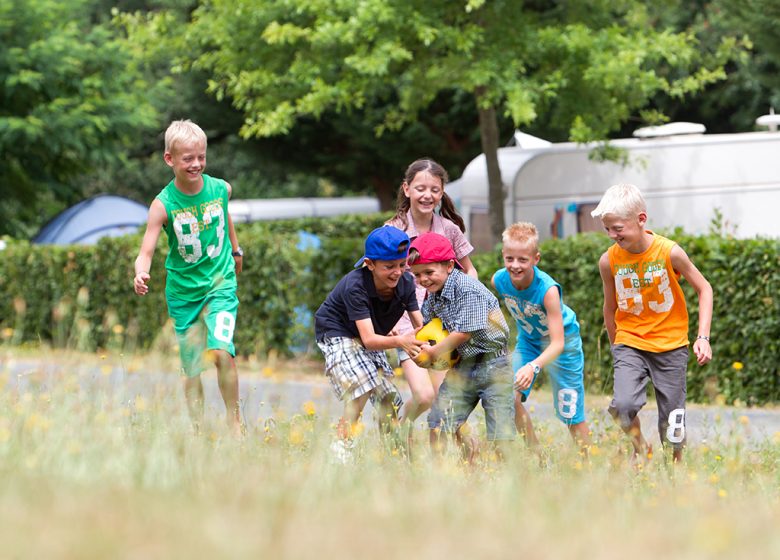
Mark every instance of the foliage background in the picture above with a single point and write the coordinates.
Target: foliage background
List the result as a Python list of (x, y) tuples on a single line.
[(82, 297)]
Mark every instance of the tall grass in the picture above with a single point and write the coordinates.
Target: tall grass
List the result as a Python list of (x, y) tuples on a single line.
[(90, 468)]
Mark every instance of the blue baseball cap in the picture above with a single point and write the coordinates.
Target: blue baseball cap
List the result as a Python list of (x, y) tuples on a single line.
[(386, 243)]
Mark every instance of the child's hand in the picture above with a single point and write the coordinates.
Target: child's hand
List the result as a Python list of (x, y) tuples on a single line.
[(424, 356), (411, 345), (524, 377), (140, 283), (703, 350)]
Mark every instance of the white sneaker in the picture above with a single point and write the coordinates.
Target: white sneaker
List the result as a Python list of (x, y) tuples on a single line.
[(342, 452)]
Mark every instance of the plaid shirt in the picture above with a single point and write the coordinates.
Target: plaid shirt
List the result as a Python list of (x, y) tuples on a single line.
[(465, 305)]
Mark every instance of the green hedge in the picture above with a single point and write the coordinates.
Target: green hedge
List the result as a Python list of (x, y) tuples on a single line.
[(81, 297)]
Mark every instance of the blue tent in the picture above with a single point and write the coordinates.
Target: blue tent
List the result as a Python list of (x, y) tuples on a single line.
[(89, 220)]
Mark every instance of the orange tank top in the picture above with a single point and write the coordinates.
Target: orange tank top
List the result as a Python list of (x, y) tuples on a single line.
[(651, 313)]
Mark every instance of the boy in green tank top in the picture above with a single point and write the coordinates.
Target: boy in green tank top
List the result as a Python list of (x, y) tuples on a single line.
[(202, 263)]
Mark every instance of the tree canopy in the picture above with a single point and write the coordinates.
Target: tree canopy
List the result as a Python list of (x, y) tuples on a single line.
[(589, 66), (71, 102)]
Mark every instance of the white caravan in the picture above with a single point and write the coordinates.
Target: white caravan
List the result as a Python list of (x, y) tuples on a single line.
[(687, 178), (263, 209)]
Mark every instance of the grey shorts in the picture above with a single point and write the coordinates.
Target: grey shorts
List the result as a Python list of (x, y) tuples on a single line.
[(667, 371)]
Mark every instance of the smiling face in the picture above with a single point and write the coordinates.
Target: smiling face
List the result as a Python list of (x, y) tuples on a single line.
[(432, 276), (188, 161), (627, 233), (386, 274), (519, 260), (424, 192)]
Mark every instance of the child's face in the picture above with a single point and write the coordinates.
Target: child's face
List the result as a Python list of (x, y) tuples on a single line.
[(627, 233), (386, 273), (424, 192), (188, 161), (519, 260), (432, 276)]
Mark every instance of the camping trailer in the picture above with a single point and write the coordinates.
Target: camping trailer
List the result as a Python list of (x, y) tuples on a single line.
[(687, 177), (262, 209)]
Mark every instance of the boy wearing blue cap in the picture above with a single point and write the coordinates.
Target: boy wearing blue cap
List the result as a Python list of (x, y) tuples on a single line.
[(353, 327)]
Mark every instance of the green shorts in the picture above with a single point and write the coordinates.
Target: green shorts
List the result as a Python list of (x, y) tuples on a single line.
[(203, 325)]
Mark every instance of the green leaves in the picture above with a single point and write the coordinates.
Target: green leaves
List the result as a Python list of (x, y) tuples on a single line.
[(70, 102)]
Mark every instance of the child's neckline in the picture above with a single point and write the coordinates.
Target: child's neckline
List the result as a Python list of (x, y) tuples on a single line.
[(186, 193)]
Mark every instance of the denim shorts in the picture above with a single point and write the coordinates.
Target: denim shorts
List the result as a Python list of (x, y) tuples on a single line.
[(489, 382)]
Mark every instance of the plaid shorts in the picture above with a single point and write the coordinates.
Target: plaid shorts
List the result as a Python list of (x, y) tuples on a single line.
[(354, 371)]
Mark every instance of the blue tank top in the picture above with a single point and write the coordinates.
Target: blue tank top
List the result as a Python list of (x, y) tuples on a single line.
[(527, 307)]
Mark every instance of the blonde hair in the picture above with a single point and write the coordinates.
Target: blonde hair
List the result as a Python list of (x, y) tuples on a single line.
[(623, 200), (524, 233), (183, 132)]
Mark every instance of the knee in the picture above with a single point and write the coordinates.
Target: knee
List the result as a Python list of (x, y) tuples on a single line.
[(425, 399), (624, 410)]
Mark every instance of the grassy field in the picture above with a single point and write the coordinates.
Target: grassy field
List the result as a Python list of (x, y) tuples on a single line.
[(89, 471)]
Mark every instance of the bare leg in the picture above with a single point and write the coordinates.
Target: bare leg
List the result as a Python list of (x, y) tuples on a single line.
[(422, 389), (227, 378), (352, 411), (641, 447), (580, 433), (469, 446), (193, 393), (523, 423)]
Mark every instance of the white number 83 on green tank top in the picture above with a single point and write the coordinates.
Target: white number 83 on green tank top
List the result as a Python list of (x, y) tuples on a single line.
[(192, 238)]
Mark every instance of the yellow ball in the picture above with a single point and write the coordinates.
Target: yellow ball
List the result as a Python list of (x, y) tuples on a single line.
[(433, 333)]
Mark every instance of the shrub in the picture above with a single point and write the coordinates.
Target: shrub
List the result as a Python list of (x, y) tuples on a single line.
[(82, 296)]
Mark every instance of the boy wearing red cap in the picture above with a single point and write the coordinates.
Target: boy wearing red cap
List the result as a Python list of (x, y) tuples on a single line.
[(477, 330), (352, 327)]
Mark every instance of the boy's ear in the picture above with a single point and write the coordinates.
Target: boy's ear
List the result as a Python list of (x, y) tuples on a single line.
[(642, 218), (168, 158)]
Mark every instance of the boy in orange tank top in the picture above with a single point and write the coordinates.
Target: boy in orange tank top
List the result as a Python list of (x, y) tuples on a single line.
[(646, 318)]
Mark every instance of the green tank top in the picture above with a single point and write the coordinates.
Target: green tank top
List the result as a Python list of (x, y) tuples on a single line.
[(200, 256)]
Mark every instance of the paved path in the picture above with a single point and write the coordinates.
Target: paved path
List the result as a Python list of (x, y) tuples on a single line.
[(264, 398)]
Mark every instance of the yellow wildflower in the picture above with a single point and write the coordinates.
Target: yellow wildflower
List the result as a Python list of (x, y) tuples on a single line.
[(309, 409), (737, 365)]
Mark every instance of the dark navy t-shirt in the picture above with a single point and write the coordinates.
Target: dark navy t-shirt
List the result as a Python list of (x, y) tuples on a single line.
[(355, 298)]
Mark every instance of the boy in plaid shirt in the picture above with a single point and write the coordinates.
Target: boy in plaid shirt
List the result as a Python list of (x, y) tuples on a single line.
[(479, 333)]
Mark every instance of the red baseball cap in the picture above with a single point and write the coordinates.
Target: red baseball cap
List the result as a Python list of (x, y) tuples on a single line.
[(433, 248)]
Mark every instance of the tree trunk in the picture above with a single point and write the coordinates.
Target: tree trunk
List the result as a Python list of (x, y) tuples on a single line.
[(488, 132), (385, 191)]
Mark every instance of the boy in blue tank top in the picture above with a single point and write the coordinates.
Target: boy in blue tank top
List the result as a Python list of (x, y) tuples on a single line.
[(548, 335)]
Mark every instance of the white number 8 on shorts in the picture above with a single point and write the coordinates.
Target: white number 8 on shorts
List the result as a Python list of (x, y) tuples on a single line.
[(567, 403), (224, 326), (675, 432)]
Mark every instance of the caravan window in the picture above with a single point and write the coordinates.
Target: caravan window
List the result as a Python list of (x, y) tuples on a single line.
[(586, 222)]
